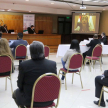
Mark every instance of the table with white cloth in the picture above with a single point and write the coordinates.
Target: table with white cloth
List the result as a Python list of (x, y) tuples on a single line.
[(62, 49), (28, 50)]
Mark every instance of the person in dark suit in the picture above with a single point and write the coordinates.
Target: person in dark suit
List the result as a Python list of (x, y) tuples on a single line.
[(29, 71), (4, 29), (103, 39), (31, 30), (101, 81), (18, 42), (92, 44), (0, 35)]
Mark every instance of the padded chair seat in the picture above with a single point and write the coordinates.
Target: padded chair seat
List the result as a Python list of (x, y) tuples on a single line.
[(93, 58), (53, 104), (71, 71)]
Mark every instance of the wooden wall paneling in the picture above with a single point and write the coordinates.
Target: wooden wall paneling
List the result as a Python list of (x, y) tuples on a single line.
[(43, 23), (14, 22)]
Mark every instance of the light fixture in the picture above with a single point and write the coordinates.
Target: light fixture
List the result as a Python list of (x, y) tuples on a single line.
[(52, 3), (83, 7), (29, 11), (2, 10), (95, 1), (9, 10), (26, 0)]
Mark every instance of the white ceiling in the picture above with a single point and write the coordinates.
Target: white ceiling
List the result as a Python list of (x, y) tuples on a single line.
[(45, 6)]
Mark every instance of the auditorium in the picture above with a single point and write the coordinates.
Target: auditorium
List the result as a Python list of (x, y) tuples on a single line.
[(53, 53)]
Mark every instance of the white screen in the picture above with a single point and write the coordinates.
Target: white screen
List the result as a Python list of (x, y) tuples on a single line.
[(85, 22)]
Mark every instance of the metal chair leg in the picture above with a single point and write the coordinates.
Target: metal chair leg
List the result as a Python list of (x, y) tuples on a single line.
[(11, 85), (6, 84), (100, 97), (72, 77), (93, 63), (81, 80), (84, 63), (100, 64), (90, 65), (59, 73), (65, 83)]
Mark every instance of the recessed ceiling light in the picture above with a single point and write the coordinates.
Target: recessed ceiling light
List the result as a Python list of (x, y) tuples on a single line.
[(2, 10), (52, 3), (95, 1), (9, 10), (86, 0), (26, 0)]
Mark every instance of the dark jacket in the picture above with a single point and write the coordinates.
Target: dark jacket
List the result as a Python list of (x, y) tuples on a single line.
[(30, 31), (29, 71), (106, 76), (16, 43), (4, 29), (104, 40), (92, 44)]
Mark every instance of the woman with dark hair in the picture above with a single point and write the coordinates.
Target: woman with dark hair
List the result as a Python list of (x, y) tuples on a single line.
[(74, 48), (29, 71)]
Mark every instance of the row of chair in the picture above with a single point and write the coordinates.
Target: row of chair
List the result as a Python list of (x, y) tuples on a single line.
[(48, 91), (21, 51), (6, 61), (52, 79), (78, 61)]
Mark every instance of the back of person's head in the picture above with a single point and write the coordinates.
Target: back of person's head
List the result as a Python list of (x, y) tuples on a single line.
[(37, 50), (32, 26), (95, 36), (20, 35), (103, 34), (4, 48), (75, 45), (0, 35), (4, 25)]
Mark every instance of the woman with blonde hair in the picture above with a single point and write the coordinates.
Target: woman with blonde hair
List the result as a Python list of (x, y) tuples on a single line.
[(5, 50)]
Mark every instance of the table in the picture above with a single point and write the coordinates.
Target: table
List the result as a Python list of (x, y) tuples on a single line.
[(51, 40), (62, 49)]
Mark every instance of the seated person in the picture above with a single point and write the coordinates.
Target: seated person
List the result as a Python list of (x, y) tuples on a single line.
[(18, 42), (74, 48), (5, 50), (92, 44), (101, 81), (4, 28), (0, 35), (29, 71), (31, 30), (103, 39)]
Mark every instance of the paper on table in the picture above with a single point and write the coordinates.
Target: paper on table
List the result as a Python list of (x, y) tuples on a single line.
[(102, 43), (90, 39)]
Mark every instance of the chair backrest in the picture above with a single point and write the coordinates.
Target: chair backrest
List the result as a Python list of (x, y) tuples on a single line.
[(46, 88), (20, 51), (5, 63), (76, 61), (46, 51), (97, 51)]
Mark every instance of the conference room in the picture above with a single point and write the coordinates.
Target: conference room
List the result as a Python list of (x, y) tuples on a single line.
[(53, 53)]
